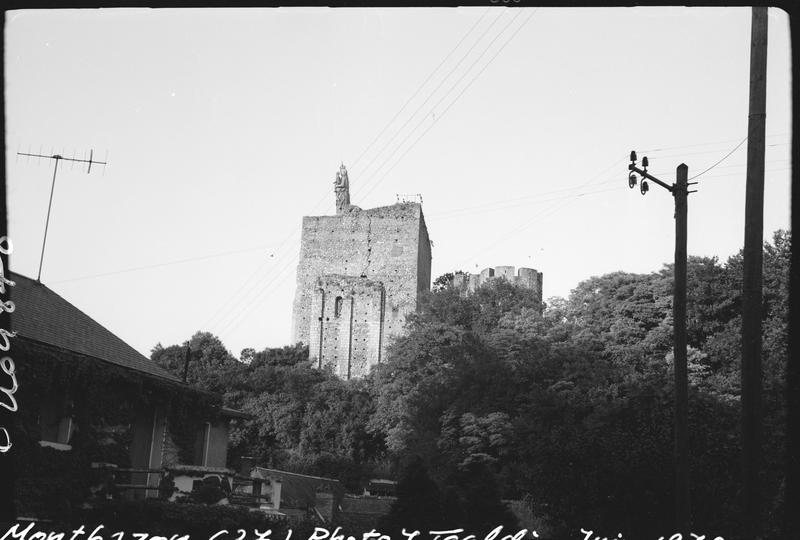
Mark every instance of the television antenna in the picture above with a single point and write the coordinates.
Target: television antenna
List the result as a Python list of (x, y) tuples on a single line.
[(57, 158)]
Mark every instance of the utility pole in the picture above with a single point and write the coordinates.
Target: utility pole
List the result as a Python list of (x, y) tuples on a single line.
[(681, 370), (680, 192), (752, 276), (186, 359), (57, 158)]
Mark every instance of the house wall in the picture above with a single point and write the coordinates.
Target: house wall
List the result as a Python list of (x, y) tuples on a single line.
[(268, 488), (171, 453), (142, 437), (326, 506), (127, 426), (363, 513), (157, 451), (377, 506), (149, 440), (218, 445)]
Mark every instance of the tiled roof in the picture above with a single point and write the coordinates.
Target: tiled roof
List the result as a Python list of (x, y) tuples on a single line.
[(44, 316)]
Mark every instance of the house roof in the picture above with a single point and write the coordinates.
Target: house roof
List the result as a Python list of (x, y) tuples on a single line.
[(42, 315), (235, 413)]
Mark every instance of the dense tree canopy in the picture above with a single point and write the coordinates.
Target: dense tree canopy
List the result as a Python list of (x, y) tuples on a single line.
[(486, 397), (573, 409), (302, 419)]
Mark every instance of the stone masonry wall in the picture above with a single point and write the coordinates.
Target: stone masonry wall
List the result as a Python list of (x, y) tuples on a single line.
[(346, 334), (378, 261), (526, 277)]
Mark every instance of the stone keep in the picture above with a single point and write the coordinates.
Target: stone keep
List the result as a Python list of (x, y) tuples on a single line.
[(360, 273)]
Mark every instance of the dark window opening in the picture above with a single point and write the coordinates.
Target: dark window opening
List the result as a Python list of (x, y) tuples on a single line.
[(337, 309)]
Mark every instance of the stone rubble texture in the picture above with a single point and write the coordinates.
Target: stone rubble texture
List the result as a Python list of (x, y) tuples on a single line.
[(526, 277), (359, 274)]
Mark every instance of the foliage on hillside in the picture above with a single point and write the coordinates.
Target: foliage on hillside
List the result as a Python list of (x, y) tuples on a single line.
[(302, 419), (485, 398)]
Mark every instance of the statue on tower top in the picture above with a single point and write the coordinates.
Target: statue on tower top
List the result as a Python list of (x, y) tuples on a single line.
[(341, 187)]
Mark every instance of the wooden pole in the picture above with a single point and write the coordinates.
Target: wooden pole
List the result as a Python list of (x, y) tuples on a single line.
[(186, 359), (752, 277), (680, 192)]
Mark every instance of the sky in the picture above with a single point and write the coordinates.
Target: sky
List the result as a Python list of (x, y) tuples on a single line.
[(223, 127)]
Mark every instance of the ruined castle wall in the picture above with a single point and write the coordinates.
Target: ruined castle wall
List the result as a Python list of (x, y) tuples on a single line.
[(505, 272), (460, 281), (530, 278), (485, 274), (526, 277), (387, 245)]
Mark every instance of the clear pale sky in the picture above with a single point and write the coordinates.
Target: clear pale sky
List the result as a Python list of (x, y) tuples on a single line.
[(224, 127)]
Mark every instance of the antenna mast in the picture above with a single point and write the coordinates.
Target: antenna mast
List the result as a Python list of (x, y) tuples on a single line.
[(56, 158)]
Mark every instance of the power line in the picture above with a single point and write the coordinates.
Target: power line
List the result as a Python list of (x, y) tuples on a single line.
[(460, 214), (375, 139), (443, 98), (455, 212), (456, 98), (264, 281), (233, 300), (535, 198), (735, 148), (159, 265), (742, 174), (650, 150), (253, 301), (220, 314), (237, 308), (421, 86), (715, 151), (235, 319), (735, 165), (269, 287), (544, 213), (430, 95), (251, 304), (570, 198)]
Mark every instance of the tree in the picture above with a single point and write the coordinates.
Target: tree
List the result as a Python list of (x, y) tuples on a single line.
[(419, 504), (486, 398), (573, 407), (207, 363), (445, 281)]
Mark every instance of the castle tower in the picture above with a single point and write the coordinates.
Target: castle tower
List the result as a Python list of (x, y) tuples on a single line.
[(360, 273)]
